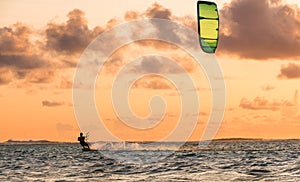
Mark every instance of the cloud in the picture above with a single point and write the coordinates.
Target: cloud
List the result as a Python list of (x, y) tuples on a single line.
[(153, 82), (158, 11), (22, 61), (260, 103), (3, 81), (155, 64), (6, 76), (52, 103), (15, 38), (73, 36), (260, 29), (65, 84), (267, 88), (165, 32), (290, 71), (41, 76), (20, 57), (131, 15), (32, 56), (28, 52)]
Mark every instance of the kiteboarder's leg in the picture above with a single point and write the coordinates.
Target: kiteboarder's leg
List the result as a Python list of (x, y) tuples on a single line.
[(83, 144), (87, 145)]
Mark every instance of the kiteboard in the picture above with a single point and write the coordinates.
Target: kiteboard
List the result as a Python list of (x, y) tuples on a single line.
[(88, 149)]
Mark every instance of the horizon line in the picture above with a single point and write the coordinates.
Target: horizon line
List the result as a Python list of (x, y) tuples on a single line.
[(131, 141)]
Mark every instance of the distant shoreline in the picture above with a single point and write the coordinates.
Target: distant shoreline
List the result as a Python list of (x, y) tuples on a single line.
[(34, 142), (214, 140)]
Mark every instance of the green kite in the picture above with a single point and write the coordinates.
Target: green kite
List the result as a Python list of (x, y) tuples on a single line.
[(208, 25)]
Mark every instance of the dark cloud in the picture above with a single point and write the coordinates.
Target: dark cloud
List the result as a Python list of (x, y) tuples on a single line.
[(154, 64), (165, 32), (3, 81), (260, 29), (169, 32), (40, 76), (153, 82), (20, 57), (290, 71), (33, 60), (73, 36), (22, 61), (15, 39), (158, 11), (114, 63), (260, 103), (52, 103), (69, 63)]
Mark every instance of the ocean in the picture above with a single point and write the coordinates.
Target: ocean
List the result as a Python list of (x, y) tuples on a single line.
[(219, 161)]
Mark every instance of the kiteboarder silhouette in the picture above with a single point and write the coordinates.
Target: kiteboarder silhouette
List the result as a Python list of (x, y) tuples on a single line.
[(82, 141)]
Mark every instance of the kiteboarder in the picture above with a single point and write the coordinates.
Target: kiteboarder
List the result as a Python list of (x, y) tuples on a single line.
[(82, 141)]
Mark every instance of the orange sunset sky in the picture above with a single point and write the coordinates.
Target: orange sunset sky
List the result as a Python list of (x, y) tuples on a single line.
[(41, 43)]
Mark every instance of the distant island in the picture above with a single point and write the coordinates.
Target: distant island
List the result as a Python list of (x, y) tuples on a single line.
[(13, 142), (239, 139)]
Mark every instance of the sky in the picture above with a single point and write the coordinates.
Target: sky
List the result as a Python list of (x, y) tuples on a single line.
[(41, 43)]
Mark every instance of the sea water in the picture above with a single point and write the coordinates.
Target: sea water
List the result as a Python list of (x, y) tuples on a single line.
[(219, 161)]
